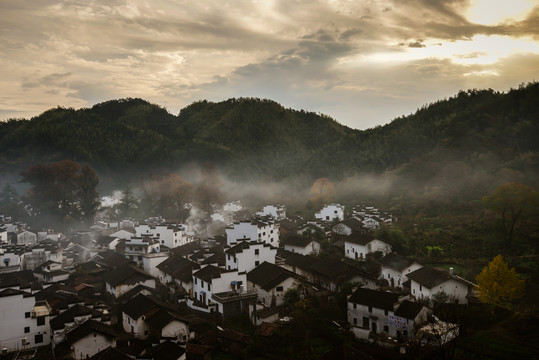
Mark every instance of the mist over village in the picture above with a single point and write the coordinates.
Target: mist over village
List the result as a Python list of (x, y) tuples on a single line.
[(269, 180)]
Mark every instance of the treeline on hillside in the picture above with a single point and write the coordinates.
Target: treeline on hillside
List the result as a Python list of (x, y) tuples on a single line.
[(253, 138)]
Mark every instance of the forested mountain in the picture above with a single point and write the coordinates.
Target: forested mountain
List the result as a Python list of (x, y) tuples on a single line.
[(476, 131)]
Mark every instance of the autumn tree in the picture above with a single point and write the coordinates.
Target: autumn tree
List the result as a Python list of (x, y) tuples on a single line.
[(511, 203), (498, 285), (167, 194), (322, 192), (63, 190), (209, 188)]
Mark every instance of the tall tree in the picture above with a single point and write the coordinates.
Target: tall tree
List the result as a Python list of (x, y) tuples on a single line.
[(499, 285), (128, 203), (63, 190), (322, 192), (209, 188), (167, 194), (511, 202)]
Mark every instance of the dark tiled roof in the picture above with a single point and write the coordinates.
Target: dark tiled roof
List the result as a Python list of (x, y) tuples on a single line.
[(335, 271), (297, 241), (160, 318), (359, 238), (303, 262), (167, 351), (208, 273), (186, 249), (18, 278), (408, 309), (88, 327), (396, 262), (126, 274), (68, 316), (110, 259), (352, 223), (110, 353), (288, 225), (178, 267), (374, 298), (428, 277), (138, 306), (268, 275)]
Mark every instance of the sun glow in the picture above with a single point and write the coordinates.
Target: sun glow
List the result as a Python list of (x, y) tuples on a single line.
[(492, 12)]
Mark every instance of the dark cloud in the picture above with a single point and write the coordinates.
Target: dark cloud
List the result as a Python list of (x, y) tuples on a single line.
[(416, 44)]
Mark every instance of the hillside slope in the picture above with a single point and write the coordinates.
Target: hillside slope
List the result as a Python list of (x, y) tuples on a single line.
[(252, 138)]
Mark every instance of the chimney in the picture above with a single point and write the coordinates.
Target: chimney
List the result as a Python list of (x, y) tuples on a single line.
[(451, 272)]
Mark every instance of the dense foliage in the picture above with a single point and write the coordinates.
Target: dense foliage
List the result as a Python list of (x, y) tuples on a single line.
[(472, 133)]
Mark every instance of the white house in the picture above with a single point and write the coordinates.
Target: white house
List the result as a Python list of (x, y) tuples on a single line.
[(246, 255), (10, 259), (124, 278), (124, 234), (169, 235), (271, 283), (22, 237), (394, 269), (134, 313), (278, 212), (358, 245), (90, 337), (426, 282), (151, 261), (261, 230), (24, 322), (178, 270), (302, 245), (346, 227), (3, 235), (212, 280), (331, 213), (136, 247), (374, 311), (50, 272)]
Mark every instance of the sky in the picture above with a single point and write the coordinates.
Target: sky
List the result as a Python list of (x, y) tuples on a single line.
[(362, 62)]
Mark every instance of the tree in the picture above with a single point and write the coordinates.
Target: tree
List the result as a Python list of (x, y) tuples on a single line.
[(322, 192), (498, 285), (511, 202), (167, 194), (63, 190), (208, 191), (128, 203)]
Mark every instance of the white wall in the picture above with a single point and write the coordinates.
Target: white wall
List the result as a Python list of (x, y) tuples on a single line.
[(247, 260), (354, 251), (13, 322), (218, 285), (91, 345), (312, 248), (150, 262), (176, 329), (241, 230), (456, 290), (330, 213)]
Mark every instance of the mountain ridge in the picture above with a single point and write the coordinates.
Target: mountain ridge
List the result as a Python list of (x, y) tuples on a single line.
[(251, 137)]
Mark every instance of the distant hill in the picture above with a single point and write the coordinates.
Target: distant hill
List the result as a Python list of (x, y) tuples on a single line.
[(476, 131)]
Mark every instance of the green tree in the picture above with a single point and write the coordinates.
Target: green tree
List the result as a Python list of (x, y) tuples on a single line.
[(499, 285), (128, 203), (511, 202)]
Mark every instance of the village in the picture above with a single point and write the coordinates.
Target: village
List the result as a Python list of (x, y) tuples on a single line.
[(164, 290)]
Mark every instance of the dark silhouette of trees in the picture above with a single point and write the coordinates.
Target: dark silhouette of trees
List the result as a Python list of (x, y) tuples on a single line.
[(510, 203), (209, 191), (63, 191), (166, 194)]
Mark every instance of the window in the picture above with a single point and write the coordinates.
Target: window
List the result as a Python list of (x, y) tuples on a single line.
[(257, 252), (370, 309), (196, 283), (38, 338), (202, 284), (27, 314), (385, 312), (279, 288), (228, 257), (209, 287), (40, 321), (365, 322), (355, 306), (257, 263), (27, 329), (355, 321), (420, 287), (386, 328)]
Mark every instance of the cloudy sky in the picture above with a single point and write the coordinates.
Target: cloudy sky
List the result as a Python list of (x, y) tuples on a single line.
[(361, 62)]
